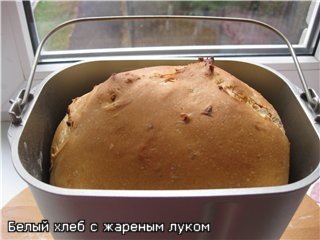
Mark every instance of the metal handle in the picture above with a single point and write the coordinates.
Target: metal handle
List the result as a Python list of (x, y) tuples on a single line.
[(18, 104)]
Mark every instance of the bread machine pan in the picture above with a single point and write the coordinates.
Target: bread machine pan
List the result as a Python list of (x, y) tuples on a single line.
[(239, 213), (242, 213)]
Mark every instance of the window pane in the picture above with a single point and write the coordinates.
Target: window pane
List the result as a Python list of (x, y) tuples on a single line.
[(290, 17)]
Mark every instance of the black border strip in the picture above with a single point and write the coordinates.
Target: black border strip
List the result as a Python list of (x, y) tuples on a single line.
[(31, 25)]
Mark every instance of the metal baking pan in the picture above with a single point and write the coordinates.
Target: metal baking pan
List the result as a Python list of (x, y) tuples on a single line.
[(239, 213)]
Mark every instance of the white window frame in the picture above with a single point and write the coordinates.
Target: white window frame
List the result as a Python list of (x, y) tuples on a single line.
[(186, 51), (15, 11)]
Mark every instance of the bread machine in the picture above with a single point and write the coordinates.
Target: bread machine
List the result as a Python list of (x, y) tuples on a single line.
[(239, 213)]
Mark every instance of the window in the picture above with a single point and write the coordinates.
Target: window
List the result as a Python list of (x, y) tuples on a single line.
[(297, 20), (20, 16)]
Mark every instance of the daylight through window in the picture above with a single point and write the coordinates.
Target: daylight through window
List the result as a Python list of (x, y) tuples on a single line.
[(295, 19)]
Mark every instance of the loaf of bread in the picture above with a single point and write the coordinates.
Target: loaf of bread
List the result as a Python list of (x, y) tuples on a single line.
[(170, 127)]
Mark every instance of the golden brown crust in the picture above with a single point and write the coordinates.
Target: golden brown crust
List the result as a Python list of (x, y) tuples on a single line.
[(170, 127)]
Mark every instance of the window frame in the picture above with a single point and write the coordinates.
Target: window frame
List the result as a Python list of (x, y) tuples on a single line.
[(308, 39), (310, 63)]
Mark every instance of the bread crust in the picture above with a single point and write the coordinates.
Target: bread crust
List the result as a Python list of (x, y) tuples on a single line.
[(170, 127)]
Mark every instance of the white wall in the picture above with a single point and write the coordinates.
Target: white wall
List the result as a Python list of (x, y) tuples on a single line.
[(16, 52)]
